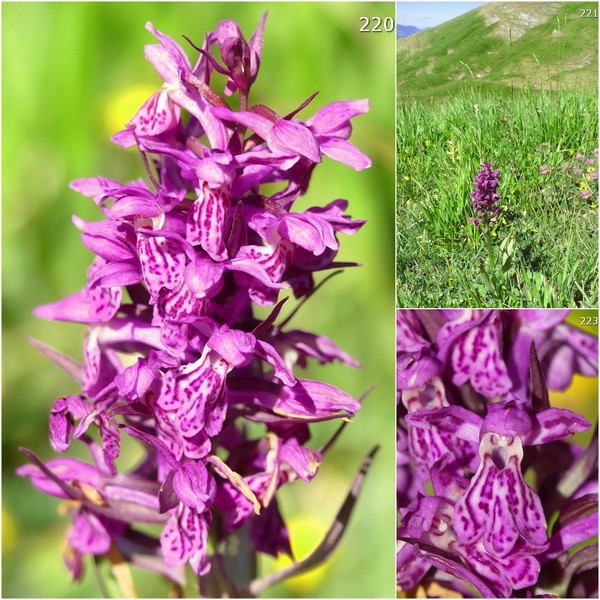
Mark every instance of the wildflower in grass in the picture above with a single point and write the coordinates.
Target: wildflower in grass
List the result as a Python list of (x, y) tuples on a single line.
[(493, 502), (584, 176), (544, 170), (174, 356), (485, 196)]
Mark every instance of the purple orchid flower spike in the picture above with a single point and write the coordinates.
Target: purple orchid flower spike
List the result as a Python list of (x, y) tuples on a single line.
[(482, 458), (485, 197), (174, 358)]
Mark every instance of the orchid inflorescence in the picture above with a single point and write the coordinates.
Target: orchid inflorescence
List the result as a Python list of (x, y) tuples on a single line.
[(175, 357), (492, 501), (485, 196)]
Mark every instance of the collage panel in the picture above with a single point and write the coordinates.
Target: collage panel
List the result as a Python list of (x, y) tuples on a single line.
[(497, 295), (201, 391), (497, 453), (198, 366), (497, 162)]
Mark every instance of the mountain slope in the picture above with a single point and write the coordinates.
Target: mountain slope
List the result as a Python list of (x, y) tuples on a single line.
[(403, 31), (503, 45)]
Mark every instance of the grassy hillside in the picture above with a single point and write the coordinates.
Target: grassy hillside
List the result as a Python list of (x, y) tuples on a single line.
[(538, 45)]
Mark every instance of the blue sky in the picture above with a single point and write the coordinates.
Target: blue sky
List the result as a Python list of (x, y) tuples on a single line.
[(430, 14)]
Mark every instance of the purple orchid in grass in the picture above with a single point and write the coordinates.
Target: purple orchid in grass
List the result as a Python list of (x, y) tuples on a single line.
[(485, 196), (175, 357), (491, 498)]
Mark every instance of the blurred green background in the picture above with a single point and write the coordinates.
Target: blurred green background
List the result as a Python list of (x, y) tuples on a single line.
[(73, 74)]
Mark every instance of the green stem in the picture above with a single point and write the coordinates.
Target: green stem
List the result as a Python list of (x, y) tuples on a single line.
[(492, 261)]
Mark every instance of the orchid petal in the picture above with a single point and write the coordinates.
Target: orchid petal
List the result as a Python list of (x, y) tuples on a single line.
[(88, 534), (345, 152), (303, 461), (195, 486), (157, 115), (337, 115), (162, 262), (204, 277), (459, 421), (236, 347), (97, 188), (88, 306), (111, 241), (555, 424), (309, 400), (207, 219), (499, 506), (267, 353), (61, 416), (477, 356)]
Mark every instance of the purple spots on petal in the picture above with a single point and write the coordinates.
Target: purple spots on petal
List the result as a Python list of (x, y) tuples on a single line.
[(162, 261), (477, 356), (207, 221), (193, 391), (180, 304)]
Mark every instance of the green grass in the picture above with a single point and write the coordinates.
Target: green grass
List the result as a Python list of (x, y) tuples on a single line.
[(544, 245)]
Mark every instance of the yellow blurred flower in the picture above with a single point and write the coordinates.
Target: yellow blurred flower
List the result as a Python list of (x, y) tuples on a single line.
[(9, 530), (580, 397), (123, 105), (306, 532)]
